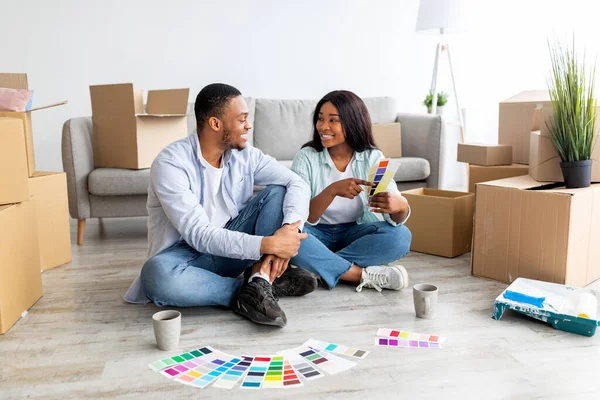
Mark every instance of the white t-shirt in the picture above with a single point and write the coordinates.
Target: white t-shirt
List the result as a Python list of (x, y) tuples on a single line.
[(342, 210), (214, 203)]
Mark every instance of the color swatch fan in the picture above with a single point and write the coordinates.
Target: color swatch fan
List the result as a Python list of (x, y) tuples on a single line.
[(381, 174)]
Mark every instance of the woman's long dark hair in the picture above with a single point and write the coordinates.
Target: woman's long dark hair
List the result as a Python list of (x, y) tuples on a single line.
[(354, 117)]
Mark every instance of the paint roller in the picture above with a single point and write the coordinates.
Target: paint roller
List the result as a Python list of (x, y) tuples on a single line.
[(586, 306)]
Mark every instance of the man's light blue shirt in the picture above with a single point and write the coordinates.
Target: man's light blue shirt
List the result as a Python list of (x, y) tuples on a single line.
[(176, 196)]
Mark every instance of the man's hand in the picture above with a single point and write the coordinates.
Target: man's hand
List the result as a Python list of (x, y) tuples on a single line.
[(349, 188), (390, 203), (285, 242), (273, 266)]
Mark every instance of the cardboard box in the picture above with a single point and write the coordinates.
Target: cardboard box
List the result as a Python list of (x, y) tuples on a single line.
[(19, 81), (13, 162), (388, 138), (484, 154), (441, 221), (544, 165), (21, 280), (518, 117), (479, 173), (531, 230), (125, 136), (52, 209)]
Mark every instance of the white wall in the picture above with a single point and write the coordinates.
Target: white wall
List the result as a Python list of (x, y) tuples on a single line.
[(280, 49)]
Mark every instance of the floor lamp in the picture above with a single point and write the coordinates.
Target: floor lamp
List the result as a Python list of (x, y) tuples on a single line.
[(442, 17)]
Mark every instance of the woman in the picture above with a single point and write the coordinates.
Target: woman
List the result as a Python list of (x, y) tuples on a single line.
[(346, 238)]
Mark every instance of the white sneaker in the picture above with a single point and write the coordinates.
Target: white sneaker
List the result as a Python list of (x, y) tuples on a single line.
[(382, 277)]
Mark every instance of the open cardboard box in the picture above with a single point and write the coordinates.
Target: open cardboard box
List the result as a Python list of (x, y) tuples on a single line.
[(19, 81), (519, 115), (127, 137), (528, 229), (441, 221), (13, 162)]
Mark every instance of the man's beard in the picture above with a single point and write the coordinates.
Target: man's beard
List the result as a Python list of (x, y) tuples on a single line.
[(226, 139)]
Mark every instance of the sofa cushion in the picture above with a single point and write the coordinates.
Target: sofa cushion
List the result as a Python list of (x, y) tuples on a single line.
[(191, 117), (412, 169), (118, 182), (281, 127)]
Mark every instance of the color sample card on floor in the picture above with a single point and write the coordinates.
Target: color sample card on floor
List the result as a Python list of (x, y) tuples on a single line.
[(204, 375), (326, 362), (290, 376), (229, 379), (397, 333), (336, 348), (415, 344), (304, 368), (257, 372)]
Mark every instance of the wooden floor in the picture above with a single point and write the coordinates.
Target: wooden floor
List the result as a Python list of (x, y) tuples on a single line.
[(80, 340)]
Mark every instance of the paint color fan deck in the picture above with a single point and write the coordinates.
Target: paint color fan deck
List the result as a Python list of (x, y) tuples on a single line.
[(287, 369)]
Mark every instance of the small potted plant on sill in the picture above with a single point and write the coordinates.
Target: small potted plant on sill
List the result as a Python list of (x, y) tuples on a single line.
[(442, 99), (573, 126)]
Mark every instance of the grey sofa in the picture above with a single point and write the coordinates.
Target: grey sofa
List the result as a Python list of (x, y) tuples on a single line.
[(280, 127)]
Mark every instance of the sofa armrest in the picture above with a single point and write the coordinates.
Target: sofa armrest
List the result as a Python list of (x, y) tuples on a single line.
[(422, 137), (78, 163)]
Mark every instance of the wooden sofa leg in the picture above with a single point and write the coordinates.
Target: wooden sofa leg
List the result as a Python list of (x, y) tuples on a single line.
[(80, 231)]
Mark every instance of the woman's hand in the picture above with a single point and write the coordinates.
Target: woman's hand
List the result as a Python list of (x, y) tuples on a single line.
[(349, 188), (389, 203)]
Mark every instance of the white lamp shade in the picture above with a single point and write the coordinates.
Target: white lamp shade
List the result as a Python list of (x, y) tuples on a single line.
[(435, 15)]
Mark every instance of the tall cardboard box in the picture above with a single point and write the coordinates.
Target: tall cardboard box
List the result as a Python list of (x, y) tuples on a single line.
[(484, 154), (478, 173), (388, 138), (518, 117), (20, 276), (52, 209), (19, 81), (441, 221), (527, 229), (125, 136), (544, 165), (13, 162)]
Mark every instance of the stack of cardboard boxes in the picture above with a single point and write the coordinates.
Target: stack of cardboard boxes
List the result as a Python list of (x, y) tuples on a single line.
[(34, 217), (518, 216), (531, 226)]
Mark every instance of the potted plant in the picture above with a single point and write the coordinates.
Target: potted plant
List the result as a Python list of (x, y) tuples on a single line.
[(573, 126), (442, 99)]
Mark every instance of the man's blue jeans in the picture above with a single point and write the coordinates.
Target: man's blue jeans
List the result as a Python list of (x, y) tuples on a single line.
[(330, 250), (180, 276)]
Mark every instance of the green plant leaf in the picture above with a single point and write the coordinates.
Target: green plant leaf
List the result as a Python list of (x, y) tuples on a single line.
[(571, 90)]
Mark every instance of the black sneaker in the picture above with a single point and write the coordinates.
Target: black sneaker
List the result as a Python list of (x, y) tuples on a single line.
[(294, 282), (256, 302)]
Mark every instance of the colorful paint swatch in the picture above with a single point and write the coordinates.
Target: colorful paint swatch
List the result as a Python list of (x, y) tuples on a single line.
[(326, 362), (207, 369), (229, 379), (274, 375), (336, 348), (304, 368), (290, 377), (415, 344), (380, 174), (410, 335), (257, 372), (181, 364)]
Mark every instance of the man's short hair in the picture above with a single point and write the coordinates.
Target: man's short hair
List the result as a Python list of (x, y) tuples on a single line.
[(211, 102)]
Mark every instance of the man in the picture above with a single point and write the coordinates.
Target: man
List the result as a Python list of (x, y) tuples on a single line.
[(205, 228)]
